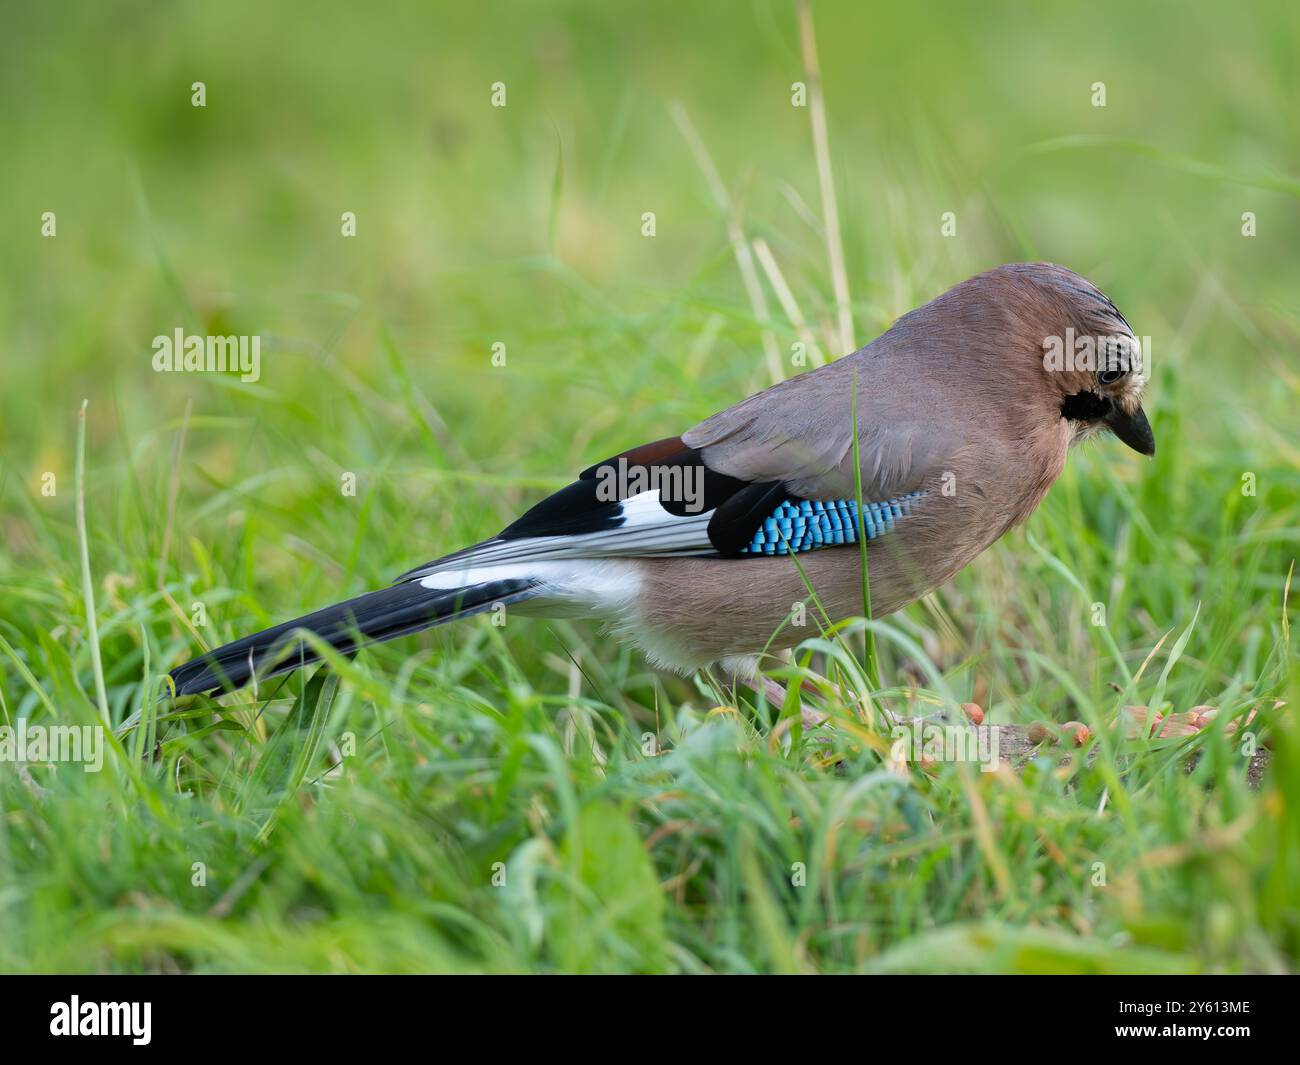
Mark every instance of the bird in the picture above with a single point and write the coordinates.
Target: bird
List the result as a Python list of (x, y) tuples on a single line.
[(699, 548)]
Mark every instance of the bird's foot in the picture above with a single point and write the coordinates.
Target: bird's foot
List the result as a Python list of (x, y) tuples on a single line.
[(776, 694)]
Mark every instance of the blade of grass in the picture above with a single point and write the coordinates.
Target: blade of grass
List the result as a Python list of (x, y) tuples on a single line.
[(736, 235), (825, 180), (788, 303), (87, 586)]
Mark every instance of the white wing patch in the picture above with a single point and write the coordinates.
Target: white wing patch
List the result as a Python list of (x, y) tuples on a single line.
[(648, 531), (581, 587)]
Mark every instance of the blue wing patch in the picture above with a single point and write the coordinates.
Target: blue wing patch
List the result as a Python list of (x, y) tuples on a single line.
[(804, 525)]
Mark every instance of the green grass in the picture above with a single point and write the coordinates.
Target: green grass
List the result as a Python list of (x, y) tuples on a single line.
[(531, 797)]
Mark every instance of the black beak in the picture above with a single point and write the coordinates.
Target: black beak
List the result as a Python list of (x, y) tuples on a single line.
[(1133, 429)]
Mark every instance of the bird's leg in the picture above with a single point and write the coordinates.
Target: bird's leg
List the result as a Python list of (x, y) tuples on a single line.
[(774, 692)]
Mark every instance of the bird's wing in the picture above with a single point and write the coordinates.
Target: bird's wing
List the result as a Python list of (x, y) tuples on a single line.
[(772, 475), (800, 432), (654, 500)]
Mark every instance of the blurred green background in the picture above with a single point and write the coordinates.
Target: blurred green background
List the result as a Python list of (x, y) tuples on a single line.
[(523, 225)]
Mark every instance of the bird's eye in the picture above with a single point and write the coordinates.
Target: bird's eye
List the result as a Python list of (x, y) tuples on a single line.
[(1110, 376)]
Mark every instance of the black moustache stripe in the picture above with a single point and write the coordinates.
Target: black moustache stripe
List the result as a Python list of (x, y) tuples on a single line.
[(1085, 407)]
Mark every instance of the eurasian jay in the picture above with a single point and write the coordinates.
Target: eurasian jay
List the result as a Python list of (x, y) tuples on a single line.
[(965, 409)]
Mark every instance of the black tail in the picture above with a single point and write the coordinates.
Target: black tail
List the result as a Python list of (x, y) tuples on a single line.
[(370, 618)]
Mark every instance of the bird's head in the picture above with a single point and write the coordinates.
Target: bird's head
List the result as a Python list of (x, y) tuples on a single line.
[(1084, 359)]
